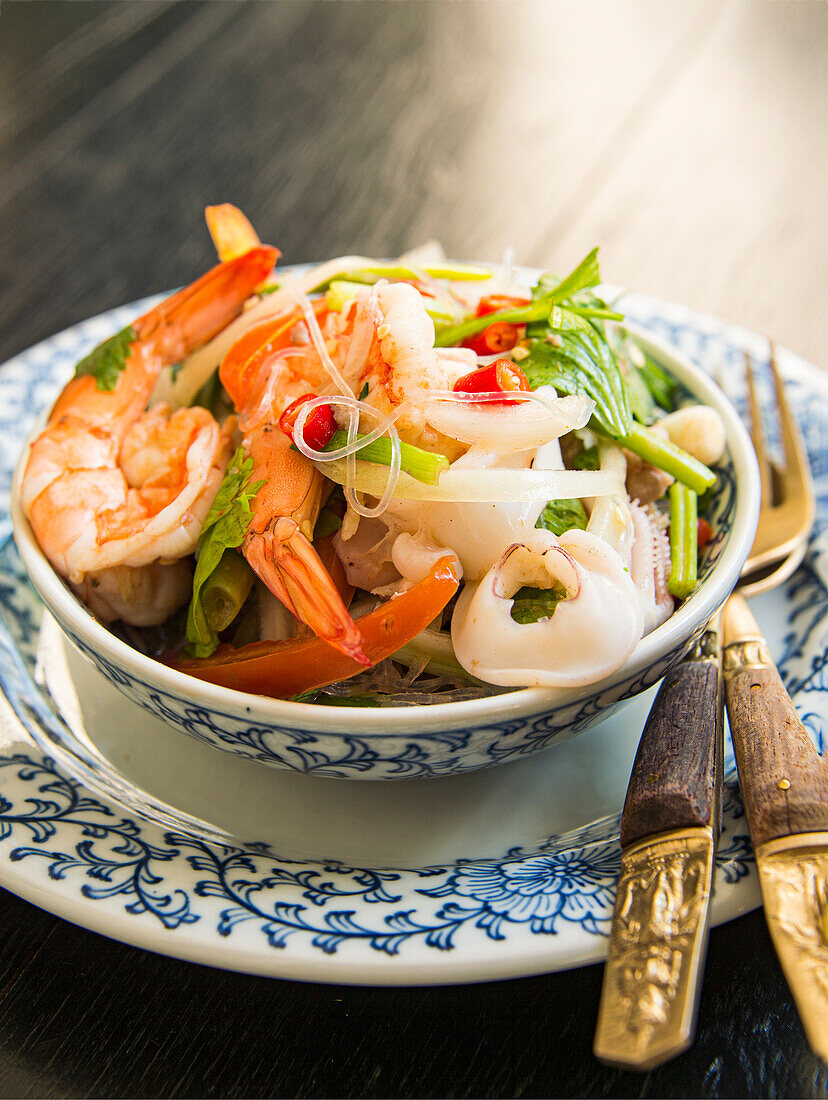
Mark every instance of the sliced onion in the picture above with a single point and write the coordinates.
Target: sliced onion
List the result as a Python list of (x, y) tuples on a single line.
[(478, 485), (502, 428)]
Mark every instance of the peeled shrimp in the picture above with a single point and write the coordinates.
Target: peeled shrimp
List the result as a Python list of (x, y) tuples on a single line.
[(108, 485), (590, 634)]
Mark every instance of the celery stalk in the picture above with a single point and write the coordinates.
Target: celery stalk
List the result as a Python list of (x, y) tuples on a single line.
[(342, 291), (684, 546), (668, 457)]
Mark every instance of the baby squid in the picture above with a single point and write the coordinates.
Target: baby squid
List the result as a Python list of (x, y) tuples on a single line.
[(595, 625)]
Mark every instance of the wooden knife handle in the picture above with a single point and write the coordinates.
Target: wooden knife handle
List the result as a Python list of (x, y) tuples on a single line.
[(784, 782), (673, 782)]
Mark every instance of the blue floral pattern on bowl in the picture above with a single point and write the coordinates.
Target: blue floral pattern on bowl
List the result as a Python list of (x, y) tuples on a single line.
[(433, 750)]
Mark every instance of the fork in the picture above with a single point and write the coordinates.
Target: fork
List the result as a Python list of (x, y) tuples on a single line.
[(670, 821), (787, 508), (784, 783)]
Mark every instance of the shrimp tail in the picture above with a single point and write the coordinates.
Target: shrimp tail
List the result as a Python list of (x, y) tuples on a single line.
[(230, 229), (195, 314), (287, 563)]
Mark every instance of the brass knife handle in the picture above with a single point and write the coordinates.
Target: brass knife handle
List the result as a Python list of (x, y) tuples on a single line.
[(784, 783)]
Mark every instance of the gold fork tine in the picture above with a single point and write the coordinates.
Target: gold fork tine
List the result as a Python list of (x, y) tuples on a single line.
[(786, 516), (758, 437), (797, 469)]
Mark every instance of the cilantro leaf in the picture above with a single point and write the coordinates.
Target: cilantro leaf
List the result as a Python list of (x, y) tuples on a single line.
[(563, 515), (225, 527), (107, 360)]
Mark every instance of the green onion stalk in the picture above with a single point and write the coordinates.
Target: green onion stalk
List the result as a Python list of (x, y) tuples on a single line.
[(226, 590), (414, 461)]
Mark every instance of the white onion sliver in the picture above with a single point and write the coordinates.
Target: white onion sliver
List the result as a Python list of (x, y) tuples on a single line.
[(480, 485), (510, 427)]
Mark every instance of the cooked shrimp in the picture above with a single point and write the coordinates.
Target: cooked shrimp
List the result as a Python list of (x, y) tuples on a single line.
[(108, 485), (388, 344), (262, 381)]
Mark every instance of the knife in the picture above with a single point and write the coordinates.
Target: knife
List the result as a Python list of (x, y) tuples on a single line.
[(785, 791), (669, 829)]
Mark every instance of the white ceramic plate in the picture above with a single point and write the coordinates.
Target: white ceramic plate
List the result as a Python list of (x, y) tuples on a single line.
[(114, 821)]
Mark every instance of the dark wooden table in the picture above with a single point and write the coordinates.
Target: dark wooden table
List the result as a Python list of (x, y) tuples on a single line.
[(688, 140)]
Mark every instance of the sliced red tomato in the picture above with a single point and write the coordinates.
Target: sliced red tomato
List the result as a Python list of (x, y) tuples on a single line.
[(283, 669)]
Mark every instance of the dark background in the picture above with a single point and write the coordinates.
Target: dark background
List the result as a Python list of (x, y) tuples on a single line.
[(688, 140)]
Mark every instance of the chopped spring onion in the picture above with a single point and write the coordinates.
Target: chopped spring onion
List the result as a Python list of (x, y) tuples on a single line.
[(520, 315), (684, 549), (478, 485), (668, 457), (420, 464)]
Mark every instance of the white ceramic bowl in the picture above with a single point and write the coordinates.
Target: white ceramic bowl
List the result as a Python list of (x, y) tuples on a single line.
[(442, 739)]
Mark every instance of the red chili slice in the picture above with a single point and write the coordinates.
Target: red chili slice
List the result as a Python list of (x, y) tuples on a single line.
[(502, 376), (320, 424), (501, 336), (705, 533), (494, 303)]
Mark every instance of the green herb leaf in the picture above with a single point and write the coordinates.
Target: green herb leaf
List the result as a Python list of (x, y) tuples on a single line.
[(224, 528), (107, 360), (584, 276), (331, 515), (582, 363), (563, 515), (328, 700), (587, 459), (531, 605), (656, 379)]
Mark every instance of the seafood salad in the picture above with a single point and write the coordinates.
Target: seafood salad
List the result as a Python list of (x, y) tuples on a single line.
[(375, 483)]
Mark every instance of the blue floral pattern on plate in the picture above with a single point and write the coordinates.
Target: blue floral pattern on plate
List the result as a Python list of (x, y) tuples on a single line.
[(81, 854)]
